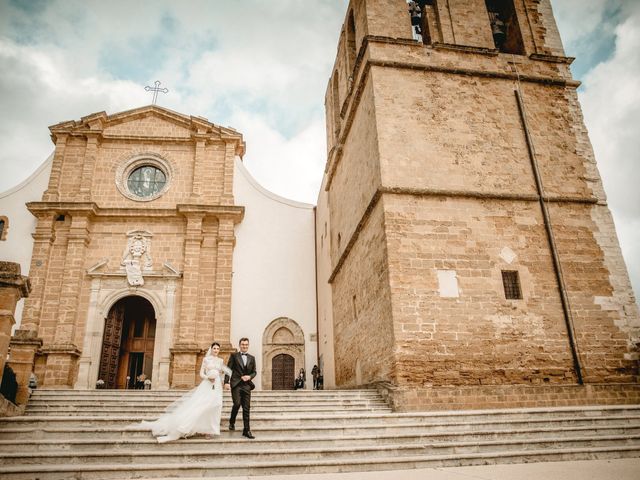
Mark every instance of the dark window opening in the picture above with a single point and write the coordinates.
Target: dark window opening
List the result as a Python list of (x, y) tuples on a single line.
[(511, 283), (60, 218), (419, 23), (351, 42), (504, 26), (2, 227), (354, 308), (336, 106)]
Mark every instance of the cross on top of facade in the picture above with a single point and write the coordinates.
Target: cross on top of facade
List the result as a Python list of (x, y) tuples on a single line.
[(155, 91)]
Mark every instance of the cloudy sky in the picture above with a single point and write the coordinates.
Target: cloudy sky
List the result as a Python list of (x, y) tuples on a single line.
[(261, 67)]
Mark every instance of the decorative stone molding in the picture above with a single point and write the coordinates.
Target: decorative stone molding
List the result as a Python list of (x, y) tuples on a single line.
[(142, 159), (106, 290), (282, 335)]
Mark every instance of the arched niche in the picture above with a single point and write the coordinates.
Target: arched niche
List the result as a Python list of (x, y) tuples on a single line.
[(282, 336)]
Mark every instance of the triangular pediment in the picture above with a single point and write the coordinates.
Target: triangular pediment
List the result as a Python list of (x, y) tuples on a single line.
[(150, 121)]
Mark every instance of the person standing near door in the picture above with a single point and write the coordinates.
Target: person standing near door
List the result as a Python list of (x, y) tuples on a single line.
[(243, 370)]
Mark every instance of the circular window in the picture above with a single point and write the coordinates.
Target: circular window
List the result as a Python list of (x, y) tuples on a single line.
[(146, 181), (144, 177)]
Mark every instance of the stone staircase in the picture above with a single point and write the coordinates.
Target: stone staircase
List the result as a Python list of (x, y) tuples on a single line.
[(82, 435)]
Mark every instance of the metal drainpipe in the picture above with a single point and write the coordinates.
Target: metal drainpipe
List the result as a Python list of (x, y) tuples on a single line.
[(552, 244), (315, 257)]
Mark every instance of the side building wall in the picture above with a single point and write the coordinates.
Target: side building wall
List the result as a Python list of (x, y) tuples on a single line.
[(17, 243), (274, 282)]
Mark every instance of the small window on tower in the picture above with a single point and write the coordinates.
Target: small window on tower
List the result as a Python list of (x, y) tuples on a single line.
[(511, 283), (505, 27), (351, 43), (4, 224)]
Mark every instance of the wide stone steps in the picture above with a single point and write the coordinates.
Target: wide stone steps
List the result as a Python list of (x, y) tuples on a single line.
[(387, 427), (225, 443), (93, 435), (148, 411), (292, 465), (243, 453), (288, 420)]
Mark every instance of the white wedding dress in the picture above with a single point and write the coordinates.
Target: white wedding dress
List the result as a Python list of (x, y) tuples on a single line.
[(198, 411)]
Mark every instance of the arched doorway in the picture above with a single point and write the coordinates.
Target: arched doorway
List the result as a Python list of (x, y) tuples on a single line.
[(127, 343), (282, 353), (283, 372)]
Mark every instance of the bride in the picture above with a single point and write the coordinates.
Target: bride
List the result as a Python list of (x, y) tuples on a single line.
[(199, 410)]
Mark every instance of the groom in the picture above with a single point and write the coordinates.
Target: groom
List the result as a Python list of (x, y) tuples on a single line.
[(243, 369)]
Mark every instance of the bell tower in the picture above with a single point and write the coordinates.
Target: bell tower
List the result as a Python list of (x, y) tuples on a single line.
[(470, 242)]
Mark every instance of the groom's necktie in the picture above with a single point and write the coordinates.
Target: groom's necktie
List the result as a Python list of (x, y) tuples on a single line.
[(244, 359)]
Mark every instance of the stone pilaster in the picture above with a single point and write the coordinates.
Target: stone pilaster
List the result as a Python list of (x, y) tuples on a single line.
[(227, 186), (91, 152), (207, 287), (63, 354), (186, 350), (222, 317), (24, 346), (198, 167), (13, 287), (42, 240), (190, 278), (52, 193)]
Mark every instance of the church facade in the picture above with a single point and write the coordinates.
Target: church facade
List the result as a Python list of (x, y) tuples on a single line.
[(461, 253), (133, 262)]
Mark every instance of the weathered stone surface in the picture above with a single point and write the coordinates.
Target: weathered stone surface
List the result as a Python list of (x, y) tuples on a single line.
[(13, 287), (83, 221), (433, 168)]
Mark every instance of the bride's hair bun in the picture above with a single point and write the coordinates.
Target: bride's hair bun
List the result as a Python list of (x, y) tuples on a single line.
[(215, 343)]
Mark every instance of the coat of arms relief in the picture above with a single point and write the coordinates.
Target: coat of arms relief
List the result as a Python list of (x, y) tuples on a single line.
[(136, 258)]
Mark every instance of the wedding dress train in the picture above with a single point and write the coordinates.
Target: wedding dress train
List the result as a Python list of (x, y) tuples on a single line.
[(197, 411)]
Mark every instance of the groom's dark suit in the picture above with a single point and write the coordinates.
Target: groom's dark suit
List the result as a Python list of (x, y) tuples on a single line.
[(241, 390)]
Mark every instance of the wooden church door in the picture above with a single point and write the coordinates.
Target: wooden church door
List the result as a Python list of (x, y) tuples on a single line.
[(110, 356), (282, 372), (127, 348)]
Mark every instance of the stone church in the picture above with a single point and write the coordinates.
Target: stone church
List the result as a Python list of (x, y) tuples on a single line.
[(461, 253)]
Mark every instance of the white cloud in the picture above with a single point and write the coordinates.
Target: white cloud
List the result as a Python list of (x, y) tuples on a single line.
[(39, 91), (289, 167), (578, 19), (611, 105), (268, 61)]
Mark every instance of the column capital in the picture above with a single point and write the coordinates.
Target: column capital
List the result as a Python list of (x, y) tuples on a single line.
[(10, 276)]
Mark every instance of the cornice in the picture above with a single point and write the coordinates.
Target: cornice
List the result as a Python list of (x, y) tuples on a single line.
[(91, 209), (78, 208), (199, 127), (229, 211), (428, 192)]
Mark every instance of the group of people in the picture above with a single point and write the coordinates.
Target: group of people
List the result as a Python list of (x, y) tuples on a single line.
[(200, 410), (301, 379)]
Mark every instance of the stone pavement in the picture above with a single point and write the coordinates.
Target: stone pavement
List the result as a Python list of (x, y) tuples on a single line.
[(616, 469)]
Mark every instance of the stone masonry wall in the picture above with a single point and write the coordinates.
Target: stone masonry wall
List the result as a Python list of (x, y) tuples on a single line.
[(451, 170), (469, 26), (356, 178), (476, 337), (452, 132), (363, 335), (191, 226)]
